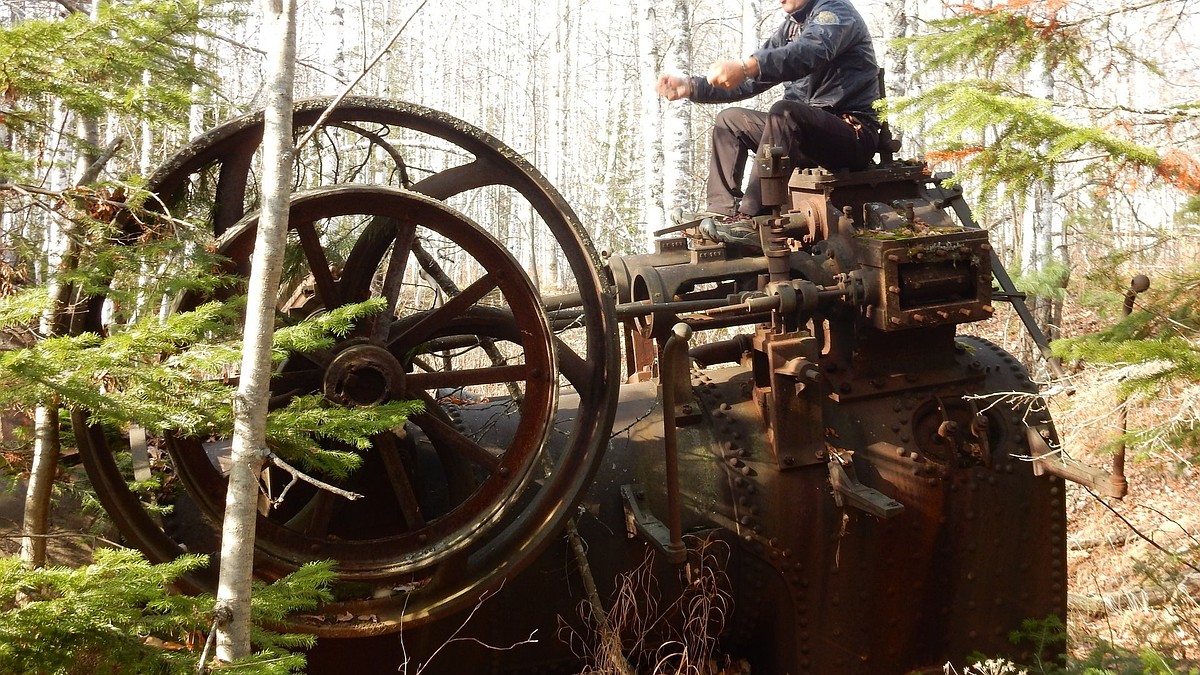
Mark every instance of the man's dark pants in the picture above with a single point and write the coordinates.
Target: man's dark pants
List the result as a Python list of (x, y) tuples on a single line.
[(811, 136)]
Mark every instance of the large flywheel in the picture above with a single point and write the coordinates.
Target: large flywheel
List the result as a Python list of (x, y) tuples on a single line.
[(453, 503)]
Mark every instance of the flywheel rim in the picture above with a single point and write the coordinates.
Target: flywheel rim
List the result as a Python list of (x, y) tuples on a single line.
[(592, 370)]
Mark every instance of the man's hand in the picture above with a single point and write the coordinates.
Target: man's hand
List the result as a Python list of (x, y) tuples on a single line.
[(673, 87), (729, 74), (726, 74)]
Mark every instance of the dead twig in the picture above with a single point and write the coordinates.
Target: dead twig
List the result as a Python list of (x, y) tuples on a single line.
[(456, 637), (220, 615), (1132, 598), (1133, 528), (297, 476), (366, 69), (610, 640), (93, 170)]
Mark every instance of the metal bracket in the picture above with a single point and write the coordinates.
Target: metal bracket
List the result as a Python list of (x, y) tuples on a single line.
[(847, 491), (648, 526)]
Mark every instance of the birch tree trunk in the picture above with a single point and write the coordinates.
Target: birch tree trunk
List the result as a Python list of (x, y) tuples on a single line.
[(1041, 220), (750, 38), (45, 416), (63, 258), (895, 57), (652, 149), (677, 117), (333, 45), (250, 402)]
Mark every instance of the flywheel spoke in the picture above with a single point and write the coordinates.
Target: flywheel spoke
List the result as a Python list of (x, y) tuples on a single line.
[(393, 279), (402, 485), (573, 366), (446, 437), (315, 517), (455, 306), (318, 264), (231, 188), (458, 379), (457, 180), (306, 381)]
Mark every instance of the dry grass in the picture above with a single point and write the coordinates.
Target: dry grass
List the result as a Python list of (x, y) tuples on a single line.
[(677, 637)]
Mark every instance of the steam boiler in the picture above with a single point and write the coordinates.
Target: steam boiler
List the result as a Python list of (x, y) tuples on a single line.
[(781, 455)]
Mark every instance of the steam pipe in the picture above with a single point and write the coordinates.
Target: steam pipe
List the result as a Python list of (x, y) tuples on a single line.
[(672, 359)]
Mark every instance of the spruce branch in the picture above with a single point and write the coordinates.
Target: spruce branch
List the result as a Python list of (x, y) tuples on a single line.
[(1027, 137)]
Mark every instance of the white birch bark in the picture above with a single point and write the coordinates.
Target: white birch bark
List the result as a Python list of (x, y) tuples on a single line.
[(36, 515), (62, 254), (332, 52), (677, 116), (652, 149), (750, 36), (913, 139), (196, 109), (1036, 242), (895, 58), (250, 402), (1043, 221)]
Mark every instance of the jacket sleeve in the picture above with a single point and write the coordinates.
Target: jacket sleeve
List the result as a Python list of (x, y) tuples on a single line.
[(703, 92), (829, 30)]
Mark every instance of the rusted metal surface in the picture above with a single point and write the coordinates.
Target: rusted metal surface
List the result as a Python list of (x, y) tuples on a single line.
[(451, 511), (866, 463), (857, 459), (674, 383)]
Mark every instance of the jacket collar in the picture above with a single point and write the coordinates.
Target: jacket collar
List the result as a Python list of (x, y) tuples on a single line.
[(801, 15)]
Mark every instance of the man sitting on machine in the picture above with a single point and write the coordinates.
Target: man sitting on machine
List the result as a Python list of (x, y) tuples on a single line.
[(822, 54)]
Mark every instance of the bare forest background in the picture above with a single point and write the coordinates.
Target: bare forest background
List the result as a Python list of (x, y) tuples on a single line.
[(1071, 125), (568, 85)]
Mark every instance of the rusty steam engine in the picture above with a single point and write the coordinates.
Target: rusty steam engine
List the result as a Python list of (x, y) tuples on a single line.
[(796, 426)]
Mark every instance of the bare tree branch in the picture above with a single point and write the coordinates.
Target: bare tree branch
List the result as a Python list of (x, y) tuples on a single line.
[(93, 171), (298, 475), (1133, 528), (71, 7), (349, 86)]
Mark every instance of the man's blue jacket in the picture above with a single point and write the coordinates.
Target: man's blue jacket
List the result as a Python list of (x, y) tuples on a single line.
[(823, 55)]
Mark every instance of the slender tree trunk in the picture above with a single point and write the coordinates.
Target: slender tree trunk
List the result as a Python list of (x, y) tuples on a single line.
[(196, 110), (1041, 220), (333, 45), (750, 36), (41, 480), (46, 449), (677, 118), (913, 140), (250, 402), (651, 122), (895, 57)]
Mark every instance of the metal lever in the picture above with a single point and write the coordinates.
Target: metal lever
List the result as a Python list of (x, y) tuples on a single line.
[(1048, 460), (847, 491)]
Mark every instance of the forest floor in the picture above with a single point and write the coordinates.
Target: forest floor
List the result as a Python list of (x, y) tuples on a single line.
[(75, 531), (1133, 564)]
